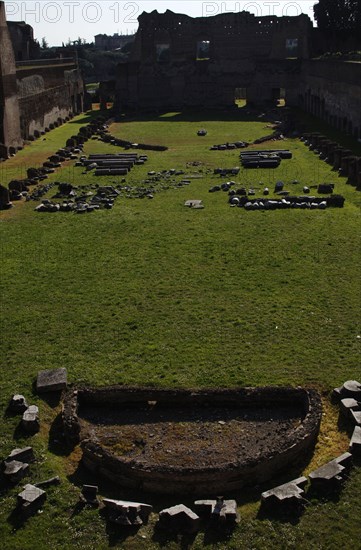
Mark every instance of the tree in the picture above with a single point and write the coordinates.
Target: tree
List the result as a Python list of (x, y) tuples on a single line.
[(338, 15), (44, 43)]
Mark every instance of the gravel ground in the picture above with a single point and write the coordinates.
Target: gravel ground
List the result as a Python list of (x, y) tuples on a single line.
[(205, 437)]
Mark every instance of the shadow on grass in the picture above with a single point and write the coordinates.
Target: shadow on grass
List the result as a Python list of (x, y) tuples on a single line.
[(163, 538), (117, 533), (16, 519), (20, 433), (82, 476), (318, 496), (345, 425), (52, 399), (11, 414), (78, 508), (57, 444), (356, 461), (314, 124), (214, 535), (88, 117), (238, 114), (283, 515), (5, 485)]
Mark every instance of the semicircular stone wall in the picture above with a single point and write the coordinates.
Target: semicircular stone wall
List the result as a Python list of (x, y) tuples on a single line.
[(292, 447)]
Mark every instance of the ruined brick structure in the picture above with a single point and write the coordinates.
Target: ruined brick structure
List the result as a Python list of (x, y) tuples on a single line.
[(35, 95), (106, 42), (22, 38), (178, 62), (47, 94), (10, 135), (201, 476)]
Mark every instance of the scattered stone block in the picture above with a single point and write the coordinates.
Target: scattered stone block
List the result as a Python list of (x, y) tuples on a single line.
[(89, 495), (218, 510), (123, 512), (351, 388), (347, 405), (17, 404), (31, 499), (179, 518), (355, 442), (356, 417), (30, 420), (345, 460), (4, 198), (198, 204), (15, 471), (26, 454), (52, 481), (330, 477), (325, 188), (288, 496), (51, 380)]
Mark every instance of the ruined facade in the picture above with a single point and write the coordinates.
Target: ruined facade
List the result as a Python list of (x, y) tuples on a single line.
[(178, 62), (22, 38), (47, 94), (331, 90), (10, 135), (107, 43), (35, 95)]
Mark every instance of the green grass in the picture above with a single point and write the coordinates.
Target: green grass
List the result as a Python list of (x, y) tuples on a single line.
[(92, 86), (156, 294)]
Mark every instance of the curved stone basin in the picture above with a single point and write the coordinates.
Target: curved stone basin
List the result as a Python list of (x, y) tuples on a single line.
[(192, 441)]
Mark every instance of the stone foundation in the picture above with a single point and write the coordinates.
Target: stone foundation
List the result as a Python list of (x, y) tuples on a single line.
[(294, 449)]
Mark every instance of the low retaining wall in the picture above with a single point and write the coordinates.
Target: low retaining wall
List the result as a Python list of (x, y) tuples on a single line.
[(228, 477)]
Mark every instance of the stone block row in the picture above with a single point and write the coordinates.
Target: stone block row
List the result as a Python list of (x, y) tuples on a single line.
[(178, 518), (343, 160), (330, 477)]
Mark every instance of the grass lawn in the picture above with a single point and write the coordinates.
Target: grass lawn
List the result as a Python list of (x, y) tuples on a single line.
[(156, 294)]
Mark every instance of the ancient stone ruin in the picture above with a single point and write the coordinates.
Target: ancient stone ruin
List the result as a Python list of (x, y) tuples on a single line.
[(179, 519), (178, 61), (220, 511), (35, 96), (191, 441), (328, 479), (287, 497), (51, 380), (125, 513), (30, 499)]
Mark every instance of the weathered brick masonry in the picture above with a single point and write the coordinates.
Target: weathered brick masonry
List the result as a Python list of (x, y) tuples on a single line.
[(179, 61), (34, 95)]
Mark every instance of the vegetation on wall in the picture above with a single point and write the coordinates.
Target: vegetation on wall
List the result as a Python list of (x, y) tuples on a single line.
[(338, 15)]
